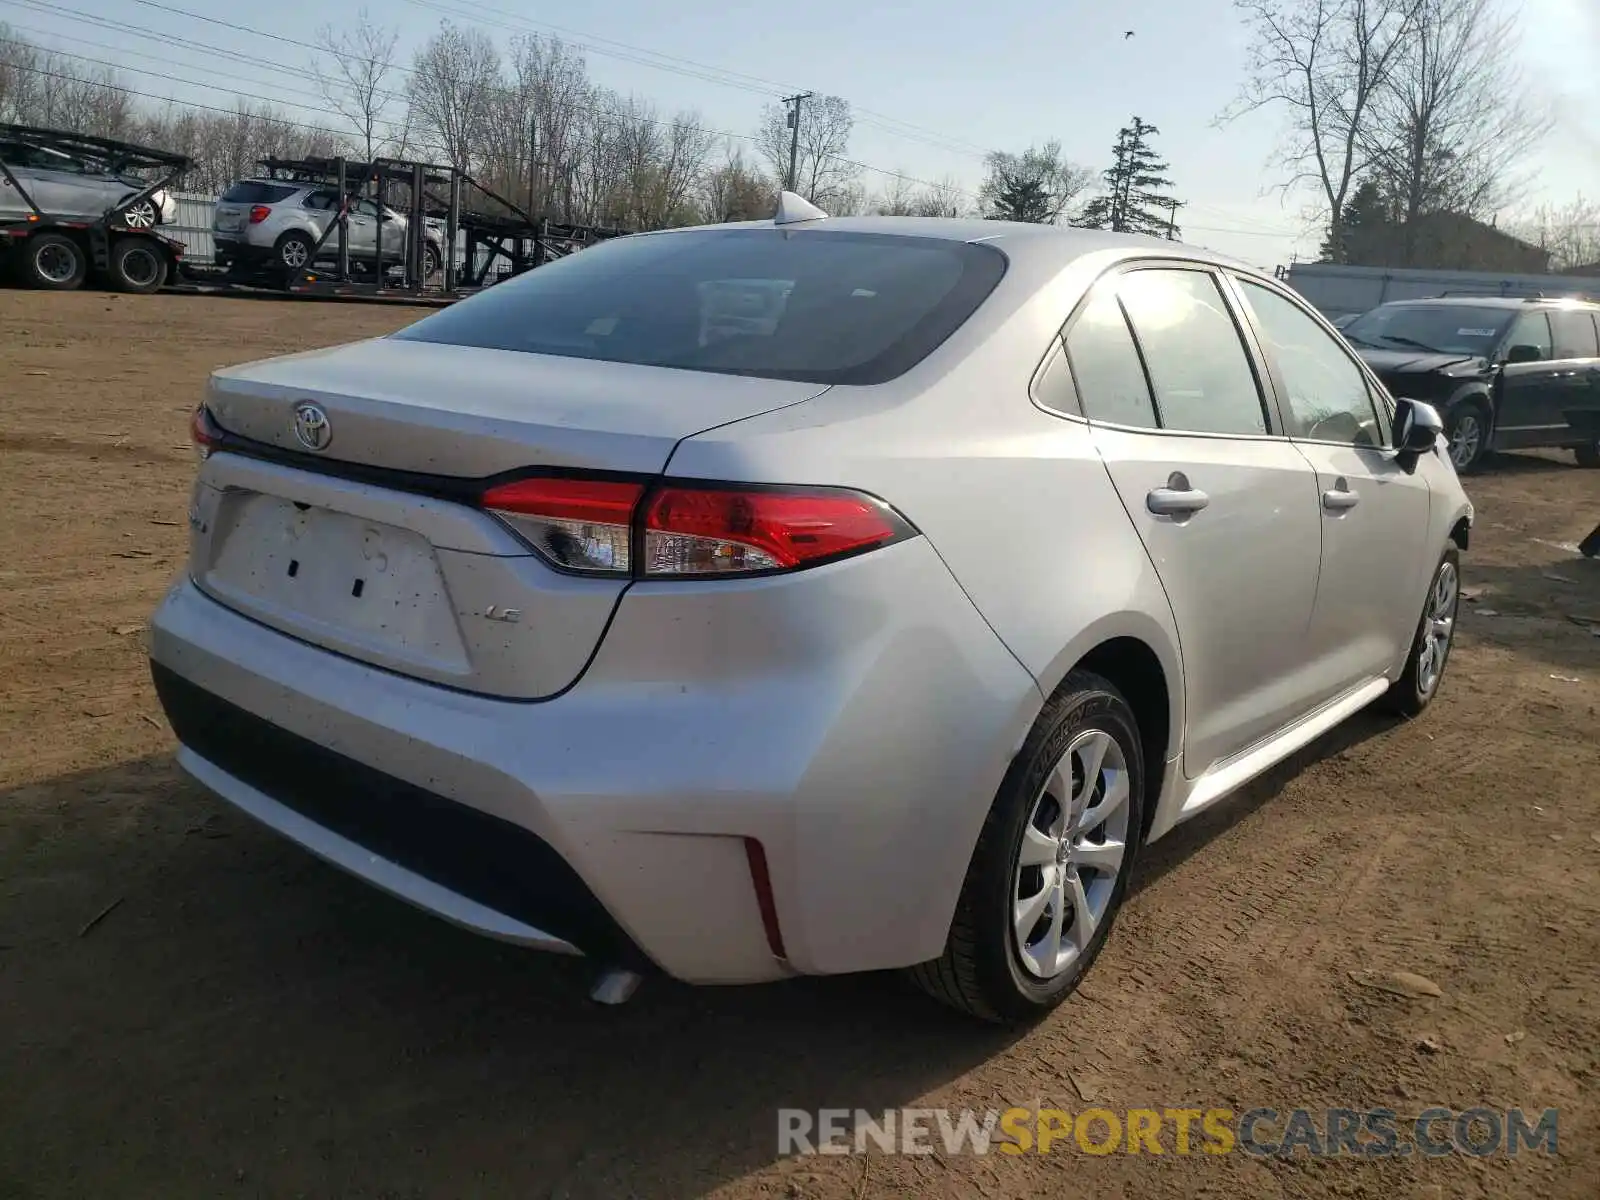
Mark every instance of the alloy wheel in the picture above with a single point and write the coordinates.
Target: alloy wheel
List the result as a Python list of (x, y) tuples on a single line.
[(1072, 851), (1438, 628), (1465, 439), (293, 253), (140, 216)]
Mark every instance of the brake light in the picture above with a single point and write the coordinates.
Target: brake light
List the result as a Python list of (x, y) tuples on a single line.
[(580, 524), (596, 526), (204, 432), (259, 214), (696, 531)]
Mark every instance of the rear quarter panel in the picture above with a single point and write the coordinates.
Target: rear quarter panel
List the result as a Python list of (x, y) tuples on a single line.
[(1015, 500)]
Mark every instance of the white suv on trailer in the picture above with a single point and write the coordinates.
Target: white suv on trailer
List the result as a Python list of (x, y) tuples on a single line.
[(269, 222)]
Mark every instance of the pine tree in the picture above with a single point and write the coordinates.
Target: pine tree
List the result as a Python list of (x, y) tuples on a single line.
[(1366, 210), (1136, 186)]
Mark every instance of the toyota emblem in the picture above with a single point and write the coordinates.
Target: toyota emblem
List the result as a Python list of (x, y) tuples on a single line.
[(311, 426)]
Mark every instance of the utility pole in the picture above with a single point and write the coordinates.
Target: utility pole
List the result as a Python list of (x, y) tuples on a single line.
[(794, 103), (1172, 222), (533, 162)]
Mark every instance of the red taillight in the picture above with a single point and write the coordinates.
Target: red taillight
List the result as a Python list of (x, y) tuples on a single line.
[(203, 431), (593, 526), (259, 214), (703, 531), (580, 524)]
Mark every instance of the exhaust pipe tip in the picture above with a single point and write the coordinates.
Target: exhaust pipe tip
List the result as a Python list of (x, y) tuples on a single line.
[(615, 986)]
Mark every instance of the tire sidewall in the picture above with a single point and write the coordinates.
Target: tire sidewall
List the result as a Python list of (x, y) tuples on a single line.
[(286, 240), (119, 274), (1413, 680), (1480, 411), (38, 279), (997, 950)]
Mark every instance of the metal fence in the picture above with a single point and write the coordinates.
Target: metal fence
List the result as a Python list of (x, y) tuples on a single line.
[(193, 226)]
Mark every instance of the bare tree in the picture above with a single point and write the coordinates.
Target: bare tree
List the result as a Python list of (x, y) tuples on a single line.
[(1322, 65), (942, 198), (352, 74), (1454, 122), (734, 190), (1037, 185), (822, 173), (1570, 232), (454, 80)]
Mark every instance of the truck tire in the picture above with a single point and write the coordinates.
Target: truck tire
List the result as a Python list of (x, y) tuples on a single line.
[(53, 262), (138, 265)]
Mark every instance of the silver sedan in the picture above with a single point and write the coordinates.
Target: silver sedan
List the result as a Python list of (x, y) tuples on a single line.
[(806, 596)]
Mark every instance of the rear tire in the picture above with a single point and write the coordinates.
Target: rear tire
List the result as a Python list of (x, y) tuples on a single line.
[(1431, 643), (1467, 431), (53, 262), (293, 254), (1041, 892), (137, 266)]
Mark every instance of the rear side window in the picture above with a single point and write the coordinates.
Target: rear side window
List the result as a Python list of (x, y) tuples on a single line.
[(1105, 365), (1202, 379), (251, 192), (808, 305), (1573, 330)]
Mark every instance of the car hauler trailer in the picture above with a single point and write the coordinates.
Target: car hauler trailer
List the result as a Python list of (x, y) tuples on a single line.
[(58, 226), (452, 234)]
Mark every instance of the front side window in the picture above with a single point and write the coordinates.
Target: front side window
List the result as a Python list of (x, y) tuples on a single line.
[(807, 305), (1533, 329), (1327, 392), (1198, 367), (1429, 328)]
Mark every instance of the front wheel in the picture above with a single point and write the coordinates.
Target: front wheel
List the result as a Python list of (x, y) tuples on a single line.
[(1052, 861), (1430, 646), (1467, 430)]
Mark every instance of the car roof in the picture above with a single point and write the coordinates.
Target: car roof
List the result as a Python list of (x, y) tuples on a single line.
[(1061, 243), (1507, 302)]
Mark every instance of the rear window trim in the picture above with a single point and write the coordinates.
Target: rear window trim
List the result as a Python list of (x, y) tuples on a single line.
[(984, 266)]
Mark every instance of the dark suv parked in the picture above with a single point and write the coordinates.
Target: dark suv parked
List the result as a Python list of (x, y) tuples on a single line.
[(1506, 374)]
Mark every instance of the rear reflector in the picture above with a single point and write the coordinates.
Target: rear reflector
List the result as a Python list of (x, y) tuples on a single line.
[(761, 878), (595, 526)]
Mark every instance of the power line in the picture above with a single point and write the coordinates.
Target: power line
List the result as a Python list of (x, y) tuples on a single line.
[(593, 111)]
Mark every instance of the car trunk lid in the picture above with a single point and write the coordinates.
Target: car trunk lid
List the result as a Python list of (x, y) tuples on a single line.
[(367, 543)]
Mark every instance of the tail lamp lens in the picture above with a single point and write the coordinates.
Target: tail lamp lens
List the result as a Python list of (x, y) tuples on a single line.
[(203, 432), (259, 214), (593, 526), (691, 531), (578, 524)]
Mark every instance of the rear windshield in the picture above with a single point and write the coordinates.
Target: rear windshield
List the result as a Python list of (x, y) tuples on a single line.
[(807, 305), (250, 192)]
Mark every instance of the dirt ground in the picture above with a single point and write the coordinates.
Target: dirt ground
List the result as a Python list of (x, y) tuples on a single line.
[(246, 1021)]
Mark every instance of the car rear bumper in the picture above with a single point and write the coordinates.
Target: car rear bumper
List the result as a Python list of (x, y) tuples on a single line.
[(860, 754)]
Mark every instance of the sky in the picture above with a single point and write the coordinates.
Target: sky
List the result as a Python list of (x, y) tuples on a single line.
[(934, 85)]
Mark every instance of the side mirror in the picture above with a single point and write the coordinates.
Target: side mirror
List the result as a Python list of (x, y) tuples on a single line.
[(1417, 427), (1524, 354)]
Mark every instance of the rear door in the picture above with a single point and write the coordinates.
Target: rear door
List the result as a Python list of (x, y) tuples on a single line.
[(1575, 389), (1374, 515), (1225, 505)]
